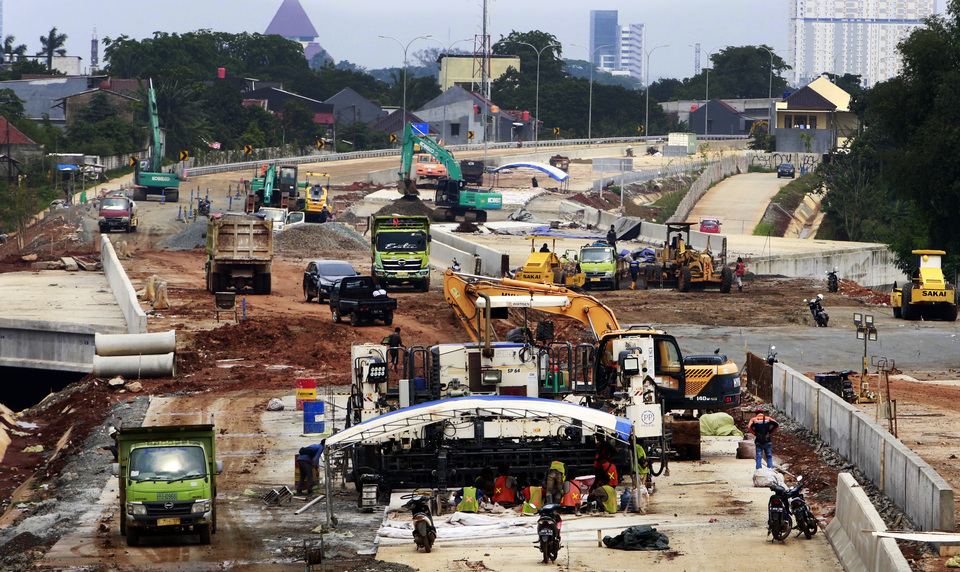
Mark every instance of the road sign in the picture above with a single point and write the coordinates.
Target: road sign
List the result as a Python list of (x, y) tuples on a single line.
[(321, 144), (248, 149), (420, 128), (184, 155), (556, 131), (393, 137), (639, 128), (133, 161), (469, 134)]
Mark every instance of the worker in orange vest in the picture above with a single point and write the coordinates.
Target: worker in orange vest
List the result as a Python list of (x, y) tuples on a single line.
[(505, 488), (571, 497)]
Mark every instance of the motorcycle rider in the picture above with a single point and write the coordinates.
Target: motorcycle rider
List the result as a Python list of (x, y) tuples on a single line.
[(763, 427)]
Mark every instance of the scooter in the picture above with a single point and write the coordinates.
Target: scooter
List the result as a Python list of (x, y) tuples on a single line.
[(802, 515), (455, 266), (778, 513), (424, 533), (833, 283), (820, 315), (203, 207), (548, 532)]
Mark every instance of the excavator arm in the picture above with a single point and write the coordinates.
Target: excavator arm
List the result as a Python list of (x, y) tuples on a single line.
[(156, 161), (412, 138), (469, 295)]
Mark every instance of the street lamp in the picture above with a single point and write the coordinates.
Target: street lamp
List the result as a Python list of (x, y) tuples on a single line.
[(646, 116), (866, 332), (536, 120), (405, 68), (443, 127), (590, 104), (769, 89)]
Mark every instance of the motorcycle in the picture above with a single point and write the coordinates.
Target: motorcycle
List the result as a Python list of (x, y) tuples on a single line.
[(455, 266), (424, 533), (203, 207), (548, 532), (771, 355), (820, 315), (833, 283), (786, 506), (802, 515)]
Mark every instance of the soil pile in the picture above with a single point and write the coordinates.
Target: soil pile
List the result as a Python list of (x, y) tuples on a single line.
[(312, 239), (851, 289), (406, 206), (193, 236)]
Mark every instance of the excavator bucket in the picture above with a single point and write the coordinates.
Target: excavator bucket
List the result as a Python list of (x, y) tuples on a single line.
[(408, 187)]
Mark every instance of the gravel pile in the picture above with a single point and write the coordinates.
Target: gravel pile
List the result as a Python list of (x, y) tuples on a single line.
[(406, 206), (310, 239), (193, 236)]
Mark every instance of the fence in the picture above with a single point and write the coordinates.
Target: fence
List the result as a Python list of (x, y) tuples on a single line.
[(713, 173), (912, 484), (759, 377)]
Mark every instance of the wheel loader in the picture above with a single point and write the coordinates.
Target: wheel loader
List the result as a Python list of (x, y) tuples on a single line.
[(680, 265), (927, 295)]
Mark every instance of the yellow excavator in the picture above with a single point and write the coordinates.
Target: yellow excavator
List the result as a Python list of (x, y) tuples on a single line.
[(618, 360)]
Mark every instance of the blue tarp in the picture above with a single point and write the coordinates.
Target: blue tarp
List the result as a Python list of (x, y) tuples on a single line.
[(67, 167)]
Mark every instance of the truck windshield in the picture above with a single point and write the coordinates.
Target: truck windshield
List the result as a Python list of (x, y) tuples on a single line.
[(113, 203), (401, 241), (596, 255), (275, 215), (167, 463)]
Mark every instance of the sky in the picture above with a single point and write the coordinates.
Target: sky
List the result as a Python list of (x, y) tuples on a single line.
[(349, 31)]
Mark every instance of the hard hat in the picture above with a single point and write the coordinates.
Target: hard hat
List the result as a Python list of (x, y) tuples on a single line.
[(820, 296), (758, 410)]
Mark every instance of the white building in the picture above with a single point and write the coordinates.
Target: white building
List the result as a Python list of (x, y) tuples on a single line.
[(632, 44), (842, 36)]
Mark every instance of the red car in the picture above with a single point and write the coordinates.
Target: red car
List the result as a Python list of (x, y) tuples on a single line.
[(711, 225)]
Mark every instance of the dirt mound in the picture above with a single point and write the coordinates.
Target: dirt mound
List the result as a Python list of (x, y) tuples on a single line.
[(405, 206), (851, 289), (312, 239)]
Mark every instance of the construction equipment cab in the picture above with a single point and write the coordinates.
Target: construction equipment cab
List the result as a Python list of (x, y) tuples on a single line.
[(927, 295), (545, 267), (148, 173), (677, 263)]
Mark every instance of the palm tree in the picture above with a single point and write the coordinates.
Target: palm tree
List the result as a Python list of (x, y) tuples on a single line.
[(9, 50), (52, 44)]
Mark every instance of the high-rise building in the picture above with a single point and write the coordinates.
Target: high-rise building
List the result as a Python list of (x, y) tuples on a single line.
[(604, 38), (842, 36), (632, 45)]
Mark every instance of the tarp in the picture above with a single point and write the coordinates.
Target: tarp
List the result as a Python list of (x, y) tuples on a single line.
[(385, 426), (67, 167), (638, 538), (554, 172), (718, 424)]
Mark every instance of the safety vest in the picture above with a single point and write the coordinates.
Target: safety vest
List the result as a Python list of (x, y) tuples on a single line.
[(610, 470), (572, 496), (534, 496), (501, 492), (634, 266), (610, 504), (469, 502), (558, 466), (642, 467)]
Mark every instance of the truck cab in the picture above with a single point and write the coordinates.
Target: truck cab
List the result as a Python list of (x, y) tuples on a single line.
[(117, 212), (400, 251), (277, 215), (601, 266)]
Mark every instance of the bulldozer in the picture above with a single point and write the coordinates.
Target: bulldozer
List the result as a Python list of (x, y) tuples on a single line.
[(545, 267), (927, 295), (680, 265)]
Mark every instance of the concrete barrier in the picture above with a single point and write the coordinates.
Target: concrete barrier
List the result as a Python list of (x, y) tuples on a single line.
[(122, 288), (490, 259), (856, 549), (442, 255), (870, 265), (902, 475)]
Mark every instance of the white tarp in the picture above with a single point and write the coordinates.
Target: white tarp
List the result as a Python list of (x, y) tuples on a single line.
[(554, 172), (463, 525)]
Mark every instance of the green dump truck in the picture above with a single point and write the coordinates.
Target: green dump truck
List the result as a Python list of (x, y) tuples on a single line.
[(168, 480), (400, 251)]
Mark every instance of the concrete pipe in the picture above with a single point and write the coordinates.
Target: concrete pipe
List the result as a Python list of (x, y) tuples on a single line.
[(134, 367), (135, 344)]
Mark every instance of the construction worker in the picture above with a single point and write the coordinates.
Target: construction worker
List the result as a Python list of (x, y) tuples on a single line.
[(571, 500), (553, 485), (634, 270), (603, 494), (307, 461), (607, 468), (486, 482), (394, 343), (532, 499), (612, 237), (468, 499), (763, 427), (520, 335), (324, 214), (505, 488), (642, 468), (739, 273), (544, 248)]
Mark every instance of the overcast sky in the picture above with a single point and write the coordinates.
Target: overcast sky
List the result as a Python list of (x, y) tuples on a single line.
[(349, 30)]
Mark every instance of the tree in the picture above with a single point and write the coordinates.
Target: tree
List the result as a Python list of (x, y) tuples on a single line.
[(737, 72), (18, 204), (852, 190), (11, 106), (10, 50), (551, 62), (52, 44), (99, 109), (298, 124), (180, 114)]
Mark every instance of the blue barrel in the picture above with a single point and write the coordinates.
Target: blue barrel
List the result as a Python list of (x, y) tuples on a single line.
[(313, 417)]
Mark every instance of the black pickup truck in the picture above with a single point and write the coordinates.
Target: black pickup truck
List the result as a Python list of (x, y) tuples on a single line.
[(353, 296)]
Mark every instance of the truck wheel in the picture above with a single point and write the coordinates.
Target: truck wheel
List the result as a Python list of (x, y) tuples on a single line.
[(948, 311), (908, 310), (388, 318), (132, 229), (355, 319), (133, 536), (726, 280), (336, 315), (204, 530), (425, 285), (261, 284), (683, 282)]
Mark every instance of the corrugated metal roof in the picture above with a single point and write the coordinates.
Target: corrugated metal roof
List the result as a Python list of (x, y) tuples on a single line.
[(40, 95)]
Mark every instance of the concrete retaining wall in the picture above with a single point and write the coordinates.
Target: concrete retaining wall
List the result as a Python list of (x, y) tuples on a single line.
[(122, 288), (442, 255), (447, 245), (912, 484), (858, 550), (871, 266)]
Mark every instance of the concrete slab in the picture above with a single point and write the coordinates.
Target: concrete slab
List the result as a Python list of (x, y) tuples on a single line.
[(76, 302)]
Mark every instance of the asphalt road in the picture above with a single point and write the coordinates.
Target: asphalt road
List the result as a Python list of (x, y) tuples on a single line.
[(739, 202)]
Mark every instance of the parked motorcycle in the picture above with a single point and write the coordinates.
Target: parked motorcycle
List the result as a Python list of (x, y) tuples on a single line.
[(802, 515), (548, 532), (820, 315), (772, 355), (424, 533), (203, 207), (787, 506), (833, 283), (455, 266)]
